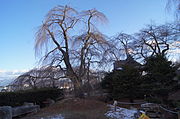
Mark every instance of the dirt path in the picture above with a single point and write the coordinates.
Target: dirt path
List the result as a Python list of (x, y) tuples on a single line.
[(73, 108)]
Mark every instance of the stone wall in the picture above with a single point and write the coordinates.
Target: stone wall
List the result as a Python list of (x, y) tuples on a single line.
[(7, 112)]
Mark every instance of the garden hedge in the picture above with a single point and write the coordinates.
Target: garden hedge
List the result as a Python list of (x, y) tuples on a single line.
[(34, 96)]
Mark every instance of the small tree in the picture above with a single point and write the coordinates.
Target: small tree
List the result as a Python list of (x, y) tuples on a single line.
[(123, 83), (160, 72)]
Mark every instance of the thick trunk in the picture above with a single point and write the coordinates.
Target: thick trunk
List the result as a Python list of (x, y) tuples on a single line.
[(77, 82), (78, 89)]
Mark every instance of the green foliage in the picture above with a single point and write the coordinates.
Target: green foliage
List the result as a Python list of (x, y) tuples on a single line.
[(34, 96), (176, 104), (159, 79), (160, 69), (153, 100), (155, 85), (160, 73), (123, 83)]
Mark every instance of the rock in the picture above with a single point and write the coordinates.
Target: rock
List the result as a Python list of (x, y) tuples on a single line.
[(6, 112), (17, 111)]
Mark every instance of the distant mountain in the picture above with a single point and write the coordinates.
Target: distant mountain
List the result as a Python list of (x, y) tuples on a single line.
[(6, 77), (5, 80)]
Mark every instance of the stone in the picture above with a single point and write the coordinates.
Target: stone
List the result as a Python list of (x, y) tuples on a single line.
[(6, 112), (17, 111)]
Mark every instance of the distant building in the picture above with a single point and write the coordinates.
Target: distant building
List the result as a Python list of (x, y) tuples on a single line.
[(128, 61)]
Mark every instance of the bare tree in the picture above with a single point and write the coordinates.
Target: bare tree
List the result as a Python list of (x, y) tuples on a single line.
[(152, 40), (124, 44), (28, 79), (157, 40), (46, 76), (121, 47), (57, 34)]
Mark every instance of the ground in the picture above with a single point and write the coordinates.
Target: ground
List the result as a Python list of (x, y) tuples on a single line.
[(72, 108), (120, 113)]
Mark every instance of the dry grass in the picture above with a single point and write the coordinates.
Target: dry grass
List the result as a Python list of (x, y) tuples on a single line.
[(73, 108)]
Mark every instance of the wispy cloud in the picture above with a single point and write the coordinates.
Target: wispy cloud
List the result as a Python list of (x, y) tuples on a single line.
[(7, 76), (176, 51), (11, 73)]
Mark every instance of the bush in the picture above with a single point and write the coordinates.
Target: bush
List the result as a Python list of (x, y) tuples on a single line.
[(153, 100), (34, 96), (177, 104), (123, 83)]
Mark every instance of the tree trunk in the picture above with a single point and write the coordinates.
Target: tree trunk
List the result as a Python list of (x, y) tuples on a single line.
[(78, 89)]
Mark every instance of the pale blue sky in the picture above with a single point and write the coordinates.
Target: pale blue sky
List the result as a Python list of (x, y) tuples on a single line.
[(19, 20)]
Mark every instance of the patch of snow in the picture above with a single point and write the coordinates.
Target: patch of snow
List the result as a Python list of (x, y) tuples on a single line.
[(120, 113), (54, 117)]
